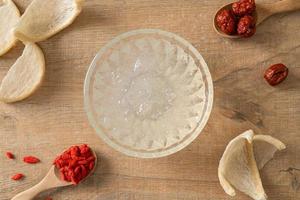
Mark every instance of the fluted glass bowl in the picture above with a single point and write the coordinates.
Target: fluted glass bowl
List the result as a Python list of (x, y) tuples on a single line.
[(148, 93)]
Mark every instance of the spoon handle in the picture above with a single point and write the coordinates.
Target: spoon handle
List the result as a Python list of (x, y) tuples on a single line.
[(48, 182), (266, 10), (286, 6), (30, 193)]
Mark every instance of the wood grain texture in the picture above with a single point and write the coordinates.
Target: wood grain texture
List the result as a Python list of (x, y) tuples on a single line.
[(54, 118)]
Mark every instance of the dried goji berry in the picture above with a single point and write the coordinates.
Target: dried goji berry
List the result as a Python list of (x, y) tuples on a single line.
[(84, 149), (10, 155), (66, 156), (83, 171), (17, 177), (48, 198), (75, 163), (91, 165), (62, 176), (80, 158), (72, 163), (74, 180), (77, 170), (91, 158), (82, 162), (31, 159), (75, 150)]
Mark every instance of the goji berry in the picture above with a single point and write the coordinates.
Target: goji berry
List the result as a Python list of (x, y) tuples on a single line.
[(77, 170), (83, 171), (91, 165), (91, 158), (83, 162), (17, 177), (74, 180), (66, 156), (31, 159), (48, 198), (75, 163), (10, 155), (80, 158), (62, 176), (75, 151)]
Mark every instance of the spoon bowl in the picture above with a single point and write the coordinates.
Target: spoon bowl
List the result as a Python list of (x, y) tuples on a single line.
[(66, 183), (262, 12), (51, 180), (216, 27)]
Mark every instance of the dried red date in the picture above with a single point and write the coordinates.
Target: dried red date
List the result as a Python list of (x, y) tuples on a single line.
[(243, 7), (226, 22), (246, 26), (276, 74)]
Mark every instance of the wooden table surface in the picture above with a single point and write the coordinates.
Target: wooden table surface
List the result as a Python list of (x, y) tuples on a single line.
[(53, 118)]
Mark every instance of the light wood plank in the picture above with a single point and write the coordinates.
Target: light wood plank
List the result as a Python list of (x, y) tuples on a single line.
[(54, 118)]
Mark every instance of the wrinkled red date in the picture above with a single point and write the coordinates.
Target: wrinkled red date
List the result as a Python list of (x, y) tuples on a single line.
[(246, 26), (243, 7), (226, 22), (276, 74)]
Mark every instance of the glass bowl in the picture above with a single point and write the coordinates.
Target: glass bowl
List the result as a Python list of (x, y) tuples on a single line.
[(148, 93)]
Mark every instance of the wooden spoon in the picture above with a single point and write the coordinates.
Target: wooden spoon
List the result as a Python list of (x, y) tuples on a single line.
[(51, 180), (263, 11)]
